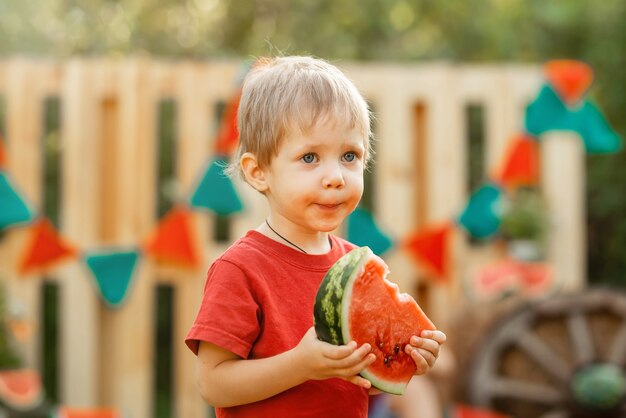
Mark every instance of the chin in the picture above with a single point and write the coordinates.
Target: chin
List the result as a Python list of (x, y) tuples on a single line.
[(328, 227)]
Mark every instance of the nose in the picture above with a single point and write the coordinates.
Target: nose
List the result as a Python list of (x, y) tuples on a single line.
[(333, 177)]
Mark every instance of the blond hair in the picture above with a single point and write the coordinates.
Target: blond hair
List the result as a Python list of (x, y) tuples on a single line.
[(294, 92)]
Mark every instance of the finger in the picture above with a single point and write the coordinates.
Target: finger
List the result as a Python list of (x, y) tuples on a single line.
[(436, 335), (338, 352), (423, 359), (353, 359), (358, 367), (359, 381), (426, 344)]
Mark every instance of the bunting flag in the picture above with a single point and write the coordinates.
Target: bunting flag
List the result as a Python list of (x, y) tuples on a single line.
[(598, 136), (363, 231), (548, 113), (3, 156), (481, 216), (216, 191), (430, 248), (521, 164), (228, 134), (467, 411), (66, 412), (570, 79), (46, 248), (113, 271), (14, 208), (173, 241)]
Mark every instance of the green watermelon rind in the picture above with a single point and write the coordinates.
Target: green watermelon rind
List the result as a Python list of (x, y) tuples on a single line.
[(330, 295), (331, 314)]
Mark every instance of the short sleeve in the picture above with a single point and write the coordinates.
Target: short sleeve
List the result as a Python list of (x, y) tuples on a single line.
[(229, 313)]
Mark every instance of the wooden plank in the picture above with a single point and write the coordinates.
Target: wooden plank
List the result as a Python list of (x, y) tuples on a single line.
[(395, 171), (80, 336), (563, 186), (23, 142), (193, 153), (127, 380)]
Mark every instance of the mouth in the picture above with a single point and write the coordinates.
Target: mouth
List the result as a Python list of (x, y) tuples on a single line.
[(329, 206)]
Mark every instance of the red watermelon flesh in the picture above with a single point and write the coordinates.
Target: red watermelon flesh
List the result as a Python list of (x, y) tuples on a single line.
[(21, 388), (372, 311)]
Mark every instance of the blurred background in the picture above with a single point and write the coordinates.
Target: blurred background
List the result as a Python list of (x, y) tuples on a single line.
[(111, 112)]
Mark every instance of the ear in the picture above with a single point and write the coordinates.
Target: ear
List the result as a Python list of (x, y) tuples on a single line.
[(254, 174)]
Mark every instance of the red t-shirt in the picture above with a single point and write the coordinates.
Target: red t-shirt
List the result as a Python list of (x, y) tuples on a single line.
[(258, 302)]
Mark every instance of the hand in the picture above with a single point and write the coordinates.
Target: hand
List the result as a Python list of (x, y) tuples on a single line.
[(425, 349), (321, 360)]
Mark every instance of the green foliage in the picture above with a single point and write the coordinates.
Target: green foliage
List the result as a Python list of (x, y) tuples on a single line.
[(524, 217)]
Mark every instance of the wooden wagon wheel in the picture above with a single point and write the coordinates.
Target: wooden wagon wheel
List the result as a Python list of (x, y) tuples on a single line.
[(560, 358)]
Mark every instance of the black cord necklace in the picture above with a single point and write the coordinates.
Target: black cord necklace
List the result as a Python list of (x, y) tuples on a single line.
[(285, 239)]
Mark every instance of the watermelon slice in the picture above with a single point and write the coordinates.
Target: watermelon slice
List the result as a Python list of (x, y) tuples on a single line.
[(21, 389), (356, 302)]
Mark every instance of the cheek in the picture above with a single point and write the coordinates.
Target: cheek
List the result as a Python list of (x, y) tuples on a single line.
[(356, 182)]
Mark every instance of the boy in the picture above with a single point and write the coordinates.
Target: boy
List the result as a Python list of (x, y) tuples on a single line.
[(304, 143)]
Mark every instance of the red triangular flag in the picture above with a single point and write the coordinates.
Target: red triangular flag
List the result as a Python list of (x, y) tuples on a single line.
[(46, 248), (173, 241), (228, 133), (521, 164), (3, 156), (569, 78), (465, 411), (430, 248)]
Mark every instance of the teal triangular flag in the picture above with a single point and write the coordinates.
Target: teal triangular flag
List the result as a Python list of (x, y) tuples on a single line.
[(548, 113), (597, 134), (363, 231), (481, 216), (216, 191), (13, 209), (113, 272)]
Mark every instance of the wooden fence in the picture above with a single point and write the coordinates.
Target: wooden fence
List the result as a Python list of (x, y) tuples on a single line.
[(109, 142)]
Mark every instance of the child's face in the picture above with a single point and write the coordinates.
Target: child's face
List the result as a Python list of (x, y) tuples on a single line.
[(316, 179)]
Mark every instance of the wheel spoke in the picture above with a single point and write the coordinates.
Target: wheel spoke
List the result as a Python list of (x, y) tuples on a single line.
[(618, 347), (543, 355), (529, 391), (580, 335)]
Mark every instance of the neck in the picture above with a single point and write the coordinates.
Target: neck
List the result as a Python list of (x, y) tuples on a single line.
[(276, 233)]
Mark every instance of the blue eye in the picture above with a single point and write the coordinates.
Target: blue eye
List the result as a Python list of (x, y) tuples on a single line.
[(349, 156), (308, 158)]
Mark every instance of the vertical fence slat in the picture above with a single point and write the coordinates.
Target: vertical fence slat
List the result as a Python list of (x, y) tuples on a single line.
[(129, 328), (24, 121), (193, 153), (563, 180), (80, 335)]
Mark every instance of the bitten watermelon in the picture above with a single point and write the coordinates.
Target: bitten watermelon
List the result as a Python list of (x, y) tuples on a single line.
[(356, 302)]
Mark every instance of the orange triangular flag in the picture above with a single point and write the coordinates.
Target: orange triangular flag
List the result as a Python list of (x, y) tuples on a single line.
[(3, 156), (228, 133), (521, 163), (569, 78), (173, 241), (46, 248), (66, 412), (430, 248)]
